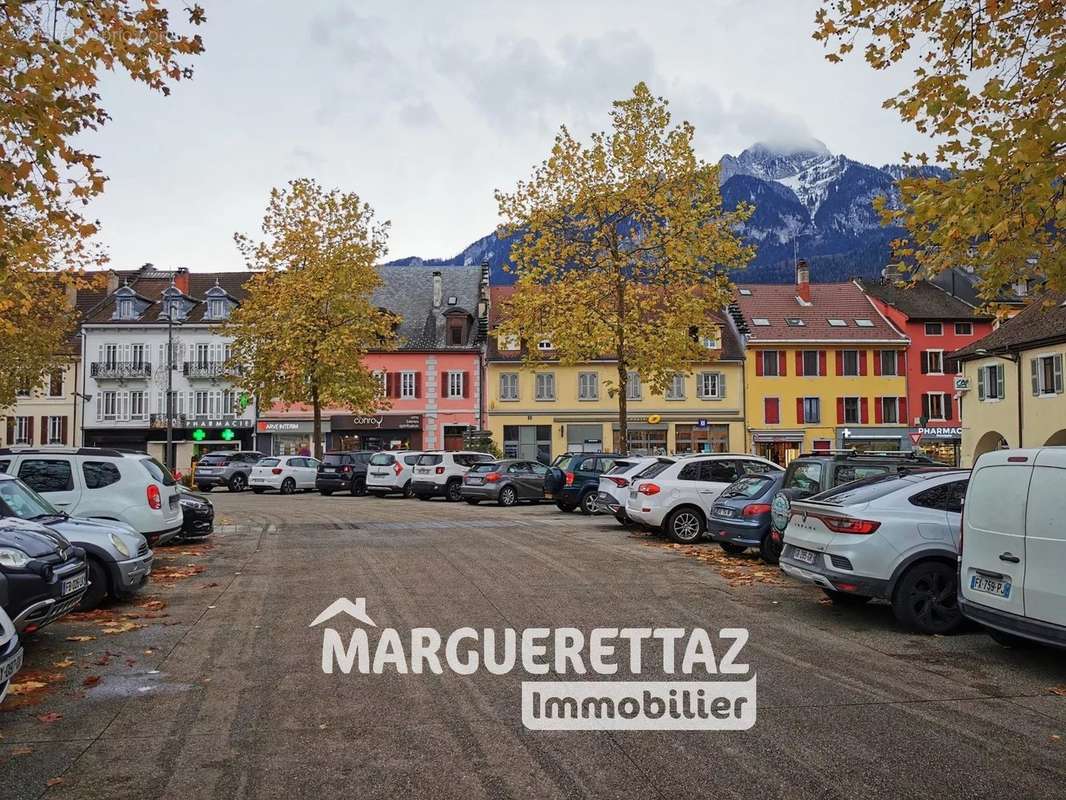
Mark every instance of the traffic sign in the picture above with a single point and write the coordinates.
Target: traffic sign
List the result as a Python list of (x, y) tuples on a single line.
[(916, 436)]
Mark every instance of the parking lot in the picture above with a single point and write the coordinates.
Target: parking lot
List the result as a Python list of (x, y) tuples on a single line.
[(210, 684)]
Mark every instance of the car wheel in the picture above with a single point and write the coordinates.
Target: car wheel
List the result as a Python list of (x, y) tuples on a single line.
[(925, 599), (238, 483), (454, 491), (258, 489), (684, 526), (358, 489), (559, 504), (472, 501), (1009, 639), (508, 496), (408, 490), (97, 590), (846, 598), (588, 503), (770, 548), (325, 492), (288, 486), (732, 549)]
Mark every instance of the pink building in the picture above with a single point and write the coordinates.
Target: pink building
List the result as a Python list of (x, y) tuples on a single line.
[(433, 380)]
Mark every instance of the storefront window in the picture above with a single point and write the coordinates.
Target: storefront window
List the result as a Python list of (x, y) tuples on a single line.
[(533, 442), (694, 439), (946, 452), (643, 442), (872, 445)]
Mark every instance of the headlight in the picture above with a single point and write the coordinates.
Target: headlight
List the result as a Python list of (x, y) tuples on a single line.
[(120, 545), (10, 557)]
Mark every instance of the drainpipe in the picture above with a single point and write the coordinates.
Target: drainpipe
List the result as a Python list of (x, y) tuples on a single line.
[(1021, 413)]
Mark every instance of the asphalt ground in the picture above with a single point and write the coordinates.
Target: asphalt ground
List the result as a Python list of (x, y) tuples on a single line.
[(210, 684)]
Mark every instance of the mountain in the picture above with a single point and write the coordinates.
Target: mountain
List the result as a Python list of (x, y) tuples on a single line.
[(808, 202)]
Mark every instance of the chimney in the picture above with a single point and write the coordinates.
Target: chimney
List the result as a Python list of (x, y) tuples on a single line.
[(112, 281), (181, 279), (803, 281), (438, 288)]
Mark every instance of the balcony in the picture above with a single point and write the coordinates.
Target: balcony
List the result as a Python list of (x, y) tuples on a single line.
[(208, 370), (120, 370), (160, 421)]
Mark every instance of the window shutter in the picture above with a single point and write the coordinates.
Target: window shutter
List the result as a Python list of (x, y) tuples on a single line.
[(948, 401), (721, 383), (981, 383), (98, 405), (877, 354), (64, 430), (418, 384), (925, 362), (840, 404), (864, 410), (821, 363), (799, 410), (925, 406), (839, 354), (1035, 370), (799, 362), (466, 384), (1000, 375), (758, 362), (771, 410), (29, 437), (862, 362), (10, 431), (1057, 369), (878, 405), (782, 365), (44, 430)]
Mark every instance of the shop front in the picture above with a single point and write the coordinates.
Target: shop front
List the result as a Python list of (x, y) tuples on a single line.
[(778, 446), (376, 432), (291, 437), (940, 444), (873, 439)]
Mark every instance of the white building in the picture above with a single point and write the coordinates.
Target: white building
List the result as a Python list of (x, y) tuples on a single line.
[(124, 364)]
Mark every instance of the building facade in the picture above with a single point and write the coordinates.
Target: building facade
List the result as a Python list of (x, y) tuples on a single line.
[(126, 338), (540, 412), (48, 414), (1011, 382), (936, 324), (824, 369)]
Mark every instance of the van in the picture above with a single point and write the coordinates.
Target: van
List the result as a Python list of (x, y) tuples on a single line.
[(1012, 564)]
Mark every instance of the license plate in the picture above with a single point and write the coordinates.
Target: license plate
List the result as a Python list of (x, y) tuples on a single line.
[(633, 495), (74, 584), (329, 469), (724, 512), (9, 668), (475, 481), (547, 495), (979, 583), (805, 556), (205, 471)]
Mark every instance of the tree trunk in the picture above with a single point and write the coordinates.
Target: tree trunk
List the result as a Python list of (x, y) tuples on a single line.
[(316, 428), (623, 407)]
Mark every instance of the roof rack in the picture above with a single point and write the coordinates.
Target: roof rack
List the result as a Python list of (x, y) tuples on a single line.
[(868, 453)]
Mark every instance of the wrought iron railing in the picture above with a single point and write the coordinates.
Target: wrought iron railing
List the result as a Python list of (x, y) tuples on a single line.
[(119, 370)]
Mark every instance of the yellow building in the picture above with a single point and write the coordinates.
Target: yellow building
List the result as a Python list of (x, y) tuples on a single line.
[(47, 414), (824, 370), (553, 409), (1012, 383)]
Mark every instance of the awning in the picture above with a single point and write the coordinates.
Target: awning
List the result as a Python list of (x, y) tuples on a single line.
[(778, 436)]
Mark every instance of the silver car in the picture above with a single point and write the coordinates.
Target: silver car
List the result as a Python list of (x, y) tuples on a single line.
[(10, 652), (118, 558)]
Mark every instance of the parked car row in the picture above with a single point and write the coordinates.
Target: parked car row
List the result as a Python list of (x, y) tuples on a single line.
[(77, 526)]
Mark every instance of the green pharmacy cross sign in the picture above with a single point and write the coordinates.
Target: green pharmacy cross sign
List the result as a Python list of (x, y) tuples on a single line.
[(226, 435), (199, 435)]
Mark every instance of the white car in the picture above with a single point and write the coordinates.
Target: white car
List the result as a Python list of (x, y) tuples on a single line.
[(676, 494), (890, 537), (101, 483), (1012, 568), (440, 474), (286, 474), (10, 653), (614, 486), (391, 472)]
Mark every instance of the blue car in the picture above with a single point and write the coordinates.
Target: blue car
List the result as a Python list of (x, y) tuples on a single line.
[(740, 516)]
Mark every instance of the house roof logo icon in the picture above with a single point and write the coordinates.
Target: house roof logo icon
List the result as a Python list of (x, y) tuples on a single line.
[(343, 605)]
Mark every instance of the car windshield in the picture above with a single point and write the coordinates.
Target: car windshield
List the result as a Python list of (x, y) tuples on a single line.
[(484, 467), (157, 471), (749, 487), (430, 460), (268, 462), (382, 459), (23, 501), (805, 475)]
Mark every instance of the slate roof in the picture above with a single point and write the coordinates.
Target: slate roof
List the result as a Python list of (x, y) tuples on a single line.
[(963, 283), (922, 301), (150, 283), (1043, 321), (408, 292), (778, 302)]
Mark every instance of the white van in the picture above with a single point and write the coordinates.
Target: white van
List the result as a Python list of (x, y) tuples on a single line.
[(1012, 566)]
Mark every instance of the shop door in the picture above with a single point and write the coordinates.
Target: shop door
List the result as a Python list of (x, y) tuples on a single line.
[(453, 441)]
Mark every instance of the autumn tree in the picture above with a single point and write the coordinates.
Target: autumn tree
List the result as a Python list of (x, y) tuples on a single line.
[(623, 249), (990, 88), (308, 320), (52, 53)]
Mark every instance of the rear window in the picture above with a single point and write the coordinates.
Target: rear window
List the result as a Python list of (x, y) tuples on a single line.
[(411, 460), (563, 462), (484, 467), (621, 467), (752, 486), (214, 461), (865, 490), (846, 473), (429, 460), (382, 459), (157, 471), (996, 498), (269, 462), (805, 475), (654, 469), (333, 459)]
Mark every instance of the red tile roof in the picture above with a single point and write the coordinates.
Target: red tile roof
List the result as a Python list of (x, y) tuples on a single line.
[(778, 303)]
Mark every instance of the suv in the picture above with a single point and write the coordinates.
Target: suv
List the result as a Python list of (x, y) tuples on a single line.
[(573, 480), (440, 474), (676, 495), (229, 468), (340, 472), (1014, 546), (100, 483), (614, 486), (390, 472), (10, 649), (813, 473), (44, 573), (889, 537)]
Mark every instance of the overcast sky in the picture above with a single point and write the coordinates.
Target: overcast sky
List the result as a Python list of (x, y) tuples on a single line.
[(423, 109)]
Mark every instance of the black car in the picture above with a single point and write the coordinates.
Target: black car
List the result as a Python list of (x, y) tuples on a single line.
[(46, 575), (197, 515), (821, 471), (573, 480), (740, 516), (343, 472)]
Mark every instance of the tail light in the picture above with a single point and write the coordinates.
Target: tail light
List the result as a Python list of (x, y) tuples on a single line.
[(621, 483), (492, 477), (569, 478), (346, 468), (648, 489), (439, 470), (276, 470), (849, 524), (155, 500), (755, 509), (397, 467)]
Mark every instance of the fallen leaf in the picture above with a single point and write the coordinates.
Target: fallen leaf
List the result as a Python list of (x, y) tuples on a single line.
[(54, 781), (66, 662), (92, 680), (25, 687), (22, 751), (81, 638), (210, 585), (1058, 690), (50, 717), (112, 628), (1055, 737)]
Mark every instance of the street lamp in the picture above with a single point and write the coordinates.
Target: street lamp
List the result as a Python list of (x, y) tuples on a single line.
[(168, 459)]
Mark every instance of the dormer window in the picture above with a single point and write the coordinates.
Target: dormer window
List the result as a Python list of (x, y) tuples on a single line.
[(174, 308), (217, 308), (124, 308), (456, 332), (544, 344)]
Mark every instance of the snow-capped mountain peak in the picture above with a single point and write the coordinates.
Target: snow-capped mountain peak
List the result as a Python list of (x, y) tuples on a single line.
[(807, 168)]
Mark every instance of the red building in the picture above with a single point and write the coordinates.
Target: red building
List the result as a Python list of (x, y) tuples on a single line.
[(937, 323)]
